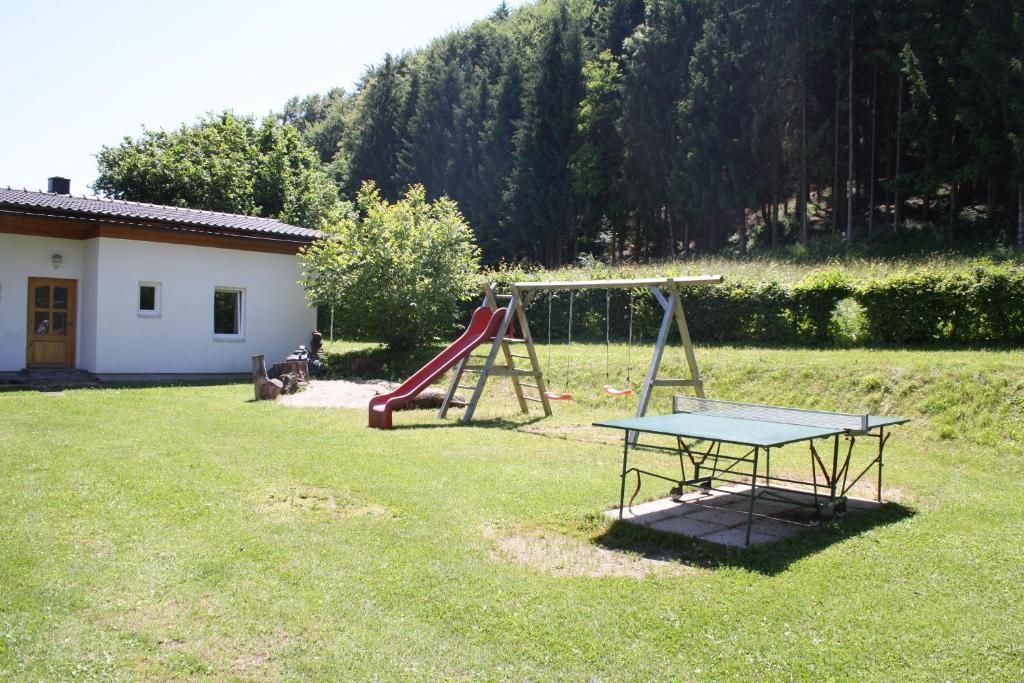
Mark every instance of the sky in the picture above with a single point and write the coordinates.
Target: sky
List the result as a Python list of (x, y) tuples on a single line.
[(81, 75)]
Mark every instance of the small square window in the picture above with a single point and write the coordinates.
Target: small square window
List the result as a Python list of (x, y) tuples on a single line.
[(149, 299), (228, 313)]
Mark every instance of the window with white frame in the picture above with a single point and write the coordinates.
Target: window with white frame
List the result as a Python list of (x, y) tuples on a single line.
[(228, 313), (149, 299)]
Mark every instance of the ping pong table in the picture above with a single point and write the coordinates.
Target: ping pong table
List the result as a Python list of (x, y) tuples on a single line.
[(702, 426)]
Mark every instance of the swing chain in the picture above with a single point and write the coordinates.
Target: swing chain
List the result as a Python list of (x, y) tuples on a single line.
[(629, 345)]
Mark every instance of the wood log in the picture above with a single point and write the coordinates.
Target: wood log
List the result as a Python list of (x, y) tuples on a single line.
[(291, 367), (266, 389)]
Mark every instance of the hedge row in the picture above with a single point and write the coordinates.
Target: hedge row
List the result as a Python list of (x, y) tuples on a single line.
[(980, 306)]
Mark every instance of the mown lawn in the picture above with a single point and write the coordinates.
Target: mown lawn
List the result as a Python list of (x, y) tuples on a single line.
[(187, 532)]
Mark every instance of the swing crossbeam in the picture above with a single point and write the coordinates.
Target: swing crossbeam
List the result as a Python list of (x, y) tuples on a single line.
[(500, 361), (636, 283)]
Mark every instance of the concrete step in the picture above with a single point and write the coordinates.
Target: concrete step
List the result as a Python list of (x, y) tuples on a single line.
[(49, 378)]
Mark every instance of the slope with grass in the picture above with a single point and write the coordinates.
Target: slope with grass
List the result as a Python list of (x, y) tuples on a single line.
[(186, 532)]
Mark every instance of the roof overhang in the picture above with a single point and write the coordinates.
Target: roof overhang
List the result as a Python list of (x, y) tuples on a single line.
[(48, 223)]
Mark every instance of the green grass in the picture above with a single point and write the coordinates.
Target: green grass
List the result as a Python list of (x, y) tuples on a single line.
[(187, 532)]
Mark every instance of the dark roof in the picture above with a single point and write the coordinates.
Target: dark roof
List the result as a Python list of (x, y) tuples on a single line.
[(67, 205)]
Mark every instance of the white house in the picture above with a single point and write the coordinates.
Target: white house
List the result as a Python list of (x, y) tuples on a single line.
[(129, 290)]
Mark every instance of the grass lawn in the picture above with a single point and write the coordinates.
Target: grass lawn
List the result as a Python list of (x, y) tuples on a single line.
[(187, 532)]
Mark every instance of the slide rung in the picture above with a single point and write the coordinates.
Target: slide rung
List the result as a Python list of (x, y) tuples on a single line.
[(519, 355), (463, 386), (534, 400), (532, 386)]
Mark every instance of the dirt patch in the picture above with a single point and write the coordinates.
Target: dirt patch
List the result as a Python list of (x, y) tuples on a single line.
[(246, 663), (313, 500), (338, 393), (560, 555)]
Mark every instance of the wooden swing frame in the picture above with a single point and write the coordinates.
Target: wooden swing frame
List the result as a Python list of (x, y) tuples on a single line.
[(666, 293)]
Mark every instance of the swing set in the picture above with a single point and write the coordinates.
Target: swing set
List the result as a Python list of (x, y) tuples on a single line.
[(608, 388), (528, 381)]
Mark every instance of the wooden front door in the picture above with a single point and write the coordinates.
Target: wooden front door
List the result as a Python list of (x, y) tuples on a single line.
[(51, 322)]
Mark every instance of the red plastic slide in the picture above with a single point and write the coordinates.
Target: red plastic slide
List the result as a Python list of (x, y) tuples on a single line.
[(482, 327)]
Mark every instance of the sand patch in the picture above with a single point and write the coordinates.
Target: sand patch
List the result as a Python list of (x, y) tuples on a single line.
[(338, 393), (560, 555)]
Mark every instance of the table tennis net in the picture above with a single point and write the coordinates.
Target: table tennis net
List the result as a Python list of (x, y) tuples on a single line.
[(766, 413)]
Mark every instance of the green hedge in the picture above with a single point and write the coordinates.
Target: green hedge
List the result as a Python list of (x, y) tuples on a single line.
[(980, 306), (984, 306)]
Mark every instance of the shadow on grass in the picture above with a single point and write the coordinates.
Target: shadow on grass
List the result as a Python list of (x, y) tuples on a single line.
[(768, 559), (378, 362), (489, 423)]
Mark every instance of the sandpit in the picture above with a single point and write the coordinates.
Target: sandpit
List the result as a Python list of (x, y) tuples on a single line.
[(338, 393)]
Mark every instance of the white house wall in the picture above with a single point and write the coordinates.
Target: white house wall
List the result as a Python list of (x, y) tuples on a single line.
[(22, 257), (181, 339), (113, 339)]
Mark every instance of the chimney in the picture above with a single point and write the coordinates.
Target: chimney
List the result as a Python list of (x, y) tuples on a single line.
[(58, 185)]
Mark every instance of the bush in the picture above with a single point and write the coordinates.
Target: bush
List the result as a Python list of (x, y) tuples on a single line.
[(980, 305), (813, 304), (394, 272)]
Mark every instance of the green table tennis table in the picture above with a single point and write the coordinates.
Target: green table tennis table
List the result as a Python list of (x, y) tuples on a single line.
[(702, 426)]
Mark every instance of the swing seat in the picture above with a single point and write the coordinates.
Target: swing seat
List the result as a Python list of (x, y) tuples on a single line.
[(612, 391), (552, 396)]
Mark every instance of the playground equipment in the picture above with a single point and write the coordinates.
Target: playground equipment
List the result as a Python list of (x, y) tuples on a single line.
[(665, 291), (482, 328), (554, 395), (608, 388)]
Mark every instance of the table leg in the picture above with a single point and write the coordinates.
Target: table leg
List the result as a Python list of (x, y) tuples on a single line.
[(881, 447), (753, 490), (833, 477), (622, 483)]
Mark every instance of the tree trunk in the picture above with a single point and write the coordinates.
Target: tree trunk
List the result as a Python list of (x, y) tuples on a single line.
[(990, 202), (1020, 214), (899, 140), (871, 172), (636, 237), (743, 230), (671, 234), (835, 155), (775, 222), (803, 135), (849, 138), (953, 210)]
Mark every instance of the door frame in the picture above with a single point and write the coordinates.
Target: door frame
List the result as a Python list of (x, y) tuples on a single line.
[(72, 321)]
